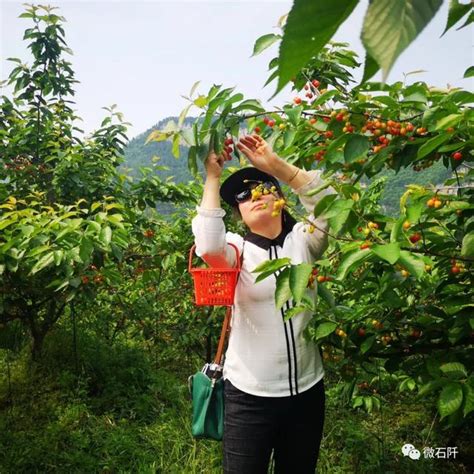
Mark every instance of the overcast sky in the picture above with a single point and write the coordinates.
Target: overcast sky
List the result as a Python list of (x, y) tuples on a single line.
[(143, 56)]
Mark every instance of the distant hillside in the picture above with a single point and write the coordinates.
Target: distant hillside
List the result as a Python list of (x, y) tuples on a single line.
[(137, 155)]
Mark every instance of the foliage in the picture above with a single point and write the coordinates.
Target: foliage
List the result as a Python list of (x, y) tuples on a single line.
[(400, 284), (98, 279), (71, 223), (310, 25)]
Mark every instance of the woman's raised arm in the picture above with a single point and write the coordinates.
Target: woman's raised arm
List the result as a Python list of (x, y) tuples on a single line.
[(208, 226)]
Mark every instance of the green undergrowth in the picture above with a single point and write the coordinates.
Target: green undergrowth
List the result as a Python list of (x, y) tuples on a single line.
[(104, 408)]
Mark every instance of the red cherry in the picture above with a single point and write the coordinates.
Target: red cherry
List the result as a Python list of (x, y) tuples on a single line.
[(361, 332), (316, 83), (455, 269), (271, 123), (297, 100), (415, 238), (457, 155), (257, 129), (329, 134), (265, 120)]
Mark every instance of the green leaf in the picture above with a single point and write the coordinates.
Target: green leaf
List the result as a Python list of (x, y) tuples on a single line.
[(43, 262), (432, 144), (469, 20), (193, 88), (414, 264), (183, 114), (456, 12), (271, 265), (289, 313), (389, 27), (468, 390), (250, 104), (335, 207), (85, 249), (105, 235), (192, 161), (336, 222), (324, 203), (324, 329), (264, 42), (293, 114), (158, 136), (448, 121), (414, 211), (299, 275), (356, 148), (323, 98), (396, 229), (469, 72), (351, 260), (326, 295), (289, 138), (283, 291), (309, 26), (175, 146), (467, 249), (370, 67), (388, 252), (201, 101), (367, 344), (430, 386), (454, 370), (450, 399)]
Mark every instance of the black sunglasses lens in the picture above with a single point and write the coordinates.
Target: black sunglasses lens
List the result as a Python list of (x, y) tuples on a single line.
[(243, 195), (246, 193)]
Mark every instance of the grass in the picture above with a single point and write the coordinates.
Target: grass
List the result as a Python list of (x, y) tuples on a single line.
[(122, 414)]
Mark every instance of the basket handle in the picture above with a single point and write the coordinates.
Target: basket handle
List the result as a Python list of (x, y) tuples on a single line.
[(236, 256)]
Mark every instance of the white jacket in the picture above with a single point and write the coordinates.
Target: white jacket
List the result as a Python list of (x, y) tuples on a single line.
[(265, 355)]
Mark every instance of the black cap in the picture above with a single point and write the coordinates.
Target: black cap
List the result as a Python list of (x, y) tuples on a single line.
[(235, 183)]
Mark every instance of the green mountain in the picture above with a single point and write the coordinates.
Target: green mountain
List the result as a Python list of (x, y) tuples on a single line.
[(138, 154)]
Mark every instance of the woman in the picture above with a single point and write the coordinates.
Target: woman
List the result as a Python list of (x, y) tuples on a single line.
[(273, 377)]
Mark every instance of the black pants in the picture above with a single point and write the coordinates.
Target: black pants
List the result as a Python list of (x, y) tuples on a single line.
[(291, 426)]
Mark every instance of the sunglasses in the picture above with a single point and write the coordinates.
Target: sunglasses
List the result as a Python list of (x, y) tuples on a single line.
[(246, 194)]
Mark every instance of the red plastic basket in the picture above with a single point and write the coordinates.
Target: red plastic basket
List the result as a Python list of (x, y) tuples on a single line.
[(214, 286)]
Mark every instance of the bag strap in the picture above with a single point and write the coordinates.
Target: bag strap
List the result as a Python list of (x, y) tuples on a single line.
[(226, 324)]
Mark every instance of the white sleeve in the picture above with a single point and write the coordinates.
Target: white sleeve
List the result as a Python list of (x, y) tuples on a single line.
[(211, 239), (317, 242)]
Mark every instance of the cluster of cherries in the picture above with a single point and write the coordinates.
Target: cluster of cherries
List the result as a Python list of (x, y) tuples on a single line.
[(457, 267), (97, 278), (319, 278), (278, 204), (228, 144)]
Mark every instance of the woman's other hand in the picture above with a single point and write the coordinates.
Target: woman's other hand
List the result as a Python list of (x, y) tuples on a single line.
[(260, 153), (214, 164)]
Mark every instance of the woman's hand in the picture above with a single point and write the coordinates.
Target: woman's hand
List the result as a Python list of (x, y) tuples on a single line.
[(214, 164), (260, 153)]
